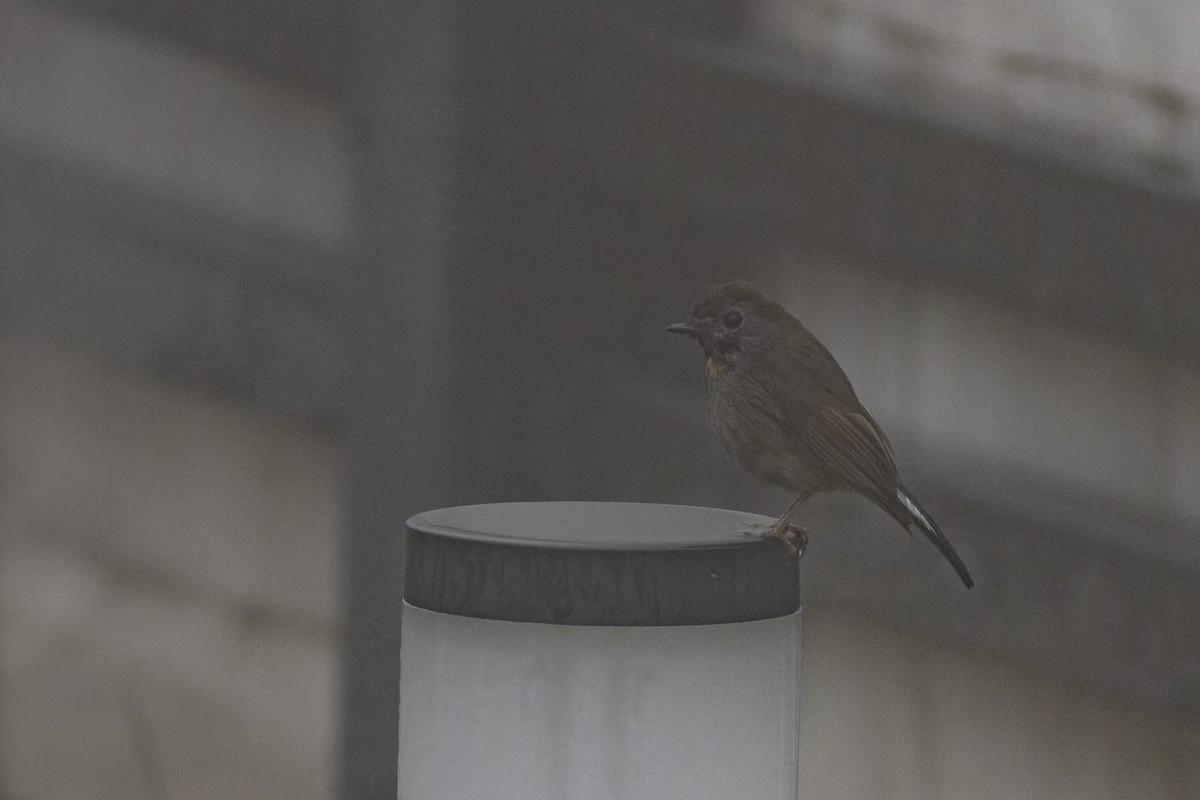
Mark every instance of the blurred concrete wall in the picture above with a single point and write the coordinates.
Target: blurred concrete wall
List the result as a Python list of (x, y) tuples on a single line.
[(169, 590), (170, 622), (259, 300), (1099, 80), (171, 228)]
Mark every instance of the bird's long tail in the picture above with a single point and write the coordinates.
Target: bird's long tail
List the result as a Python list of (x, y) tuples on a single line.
[(934, 534)]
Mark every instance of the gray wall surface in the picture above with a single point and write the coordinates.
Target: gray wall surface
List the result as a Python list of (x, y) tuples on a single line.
[(274, 278)]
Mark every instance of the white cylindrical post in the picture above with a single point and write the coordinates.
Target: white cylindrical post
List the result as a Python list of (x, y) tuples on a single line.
[(589, 651)]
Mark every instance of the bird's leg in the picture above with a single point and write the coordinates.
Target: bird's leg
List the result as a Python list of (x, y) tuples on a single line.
[(785, 532), (793, 537), (786, 536)]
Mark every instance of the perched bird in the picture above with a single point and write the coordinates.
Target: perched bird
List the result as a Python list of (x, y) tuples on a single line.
[(787, 413)]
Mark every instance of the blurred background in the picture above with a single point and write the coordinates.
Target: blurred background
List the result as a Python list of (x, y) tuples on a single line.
[(276, 275)]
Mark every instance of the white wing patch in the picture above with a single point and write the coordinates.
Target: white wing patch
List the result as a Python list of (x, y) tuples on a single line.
[(916, 512)]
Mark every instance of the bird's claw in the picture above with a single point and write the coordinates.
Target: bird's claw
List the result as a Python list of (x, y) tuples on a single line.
[(791, 536)]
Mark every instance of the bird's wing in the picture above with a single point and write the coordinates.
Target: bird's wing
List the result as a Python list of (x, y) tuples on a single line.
[(855, 452), (819, 409), (813, 376)]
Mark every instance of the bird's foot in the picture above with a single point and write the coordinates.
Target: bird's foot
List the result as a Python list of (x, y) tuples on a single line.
[(792, 537)]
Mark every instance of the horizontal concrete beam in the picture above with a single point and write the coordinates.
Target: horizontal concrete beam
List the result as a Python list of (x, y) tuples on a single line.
[(171, 288), (296, 41), (192, 127), (1117, 88), (745, 140)]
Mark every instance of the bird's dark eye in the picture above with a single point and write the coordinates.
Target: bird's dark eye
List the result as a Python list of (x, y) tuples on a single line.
[(733, 319)]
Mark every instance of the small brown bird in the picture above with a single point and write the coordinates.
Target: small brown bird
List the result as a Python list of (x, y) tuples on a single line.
[(786, 411)]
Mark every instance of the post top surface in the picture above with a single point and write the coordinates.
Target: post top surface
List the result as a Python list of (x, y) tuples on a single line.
[(584, 525)]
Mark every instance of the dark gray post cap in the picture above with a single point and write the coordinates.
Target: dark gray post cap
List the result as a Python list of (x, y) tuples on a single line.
[(585, 563)]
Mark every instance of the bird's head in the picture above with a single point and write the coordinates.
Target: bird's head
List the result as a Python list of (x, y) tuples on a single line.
[(731, 322)]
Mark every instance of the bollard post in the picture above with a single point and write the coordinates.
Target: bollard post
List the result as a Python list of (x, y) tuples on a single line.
[(589, 651)]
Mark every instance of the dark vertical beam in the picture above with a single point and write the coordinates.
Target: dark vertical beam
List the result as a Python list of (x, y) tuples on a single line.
[(404, 67)]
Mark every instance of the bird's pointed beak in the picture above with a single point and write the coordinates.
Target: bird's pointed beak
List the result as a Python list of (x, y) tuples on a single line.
[(683, 327)]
